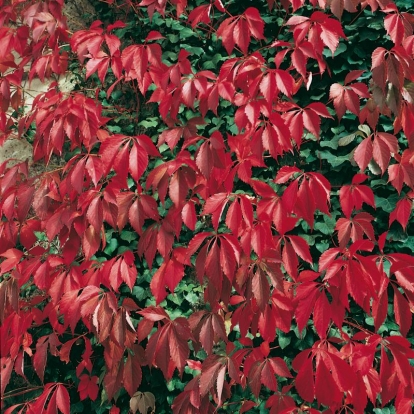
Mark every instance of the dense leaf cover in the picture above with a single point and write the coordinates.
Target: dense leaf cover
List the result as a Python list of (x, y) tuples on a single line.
[(231, 229)]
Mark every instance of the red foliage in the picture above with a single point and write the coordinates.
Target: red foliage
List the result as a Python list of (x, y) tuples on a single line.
[(254, 268)]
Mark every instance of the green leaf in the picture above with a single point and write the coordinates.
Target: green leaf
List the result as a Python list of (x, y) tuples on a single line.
[(129, 236), (333, 160), (384, 410), (386, 204), (149, 123), (140, 293), (116, 94), (328, 225), (340, 49), (192, 298), (173, 38), (111, 246), (283, 339), (186, 32)]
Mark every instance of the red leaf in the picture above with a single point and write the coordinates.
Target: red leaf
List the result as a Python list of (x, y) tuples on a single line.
[(307, 293), (351, 100), (132, 374), (402, 312), (40, 356), (189, 215), (364, 153), (169, 274), (268, 87), (405, 278), (321, 315), (353, 75), (209, 372), (246, 406), (279, 367), (220, 383), (225, 31), (200, 14), (241, 35), (204, 160), (260, 289), (285, 174), (138, 161), (336, 93), (98, 63), (88, 387), (284, 81), (154, 314), (94, 214), (91, 241), (394, 26), (147, 244), (165, 239), (401, 213), (304, 382), (402, 365), (353, 196), (118, 331), (215, 205), (255, 22), (326, 390), (213, 265), (301, 248), (13, 257), (112, 380), (62, 399), (178, 343), (209, 328), (384, 145)]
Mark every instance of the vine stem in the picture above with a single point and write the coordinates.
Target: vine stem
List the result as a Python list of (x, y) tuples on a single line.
[(12, 394)]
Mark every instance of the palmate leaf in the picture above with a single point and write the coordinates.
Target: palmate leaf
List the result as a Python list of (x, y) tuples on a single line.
[(347, 97), (263, 373), (208, 328), (353, 196), (303, 199), (332, 377), (379, 148), (237, 31), (88, 387), (329, 30), (354, 229), (168, 275), (167, 348), (402, 212), (200, 14), (142, 402), (402, 172), (54, 396), (213, 371), (279, 402), (310, 299)]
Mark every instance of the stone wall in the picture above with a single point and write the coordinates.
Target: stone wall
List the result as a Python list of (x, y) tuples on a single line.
[(80, 14)]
